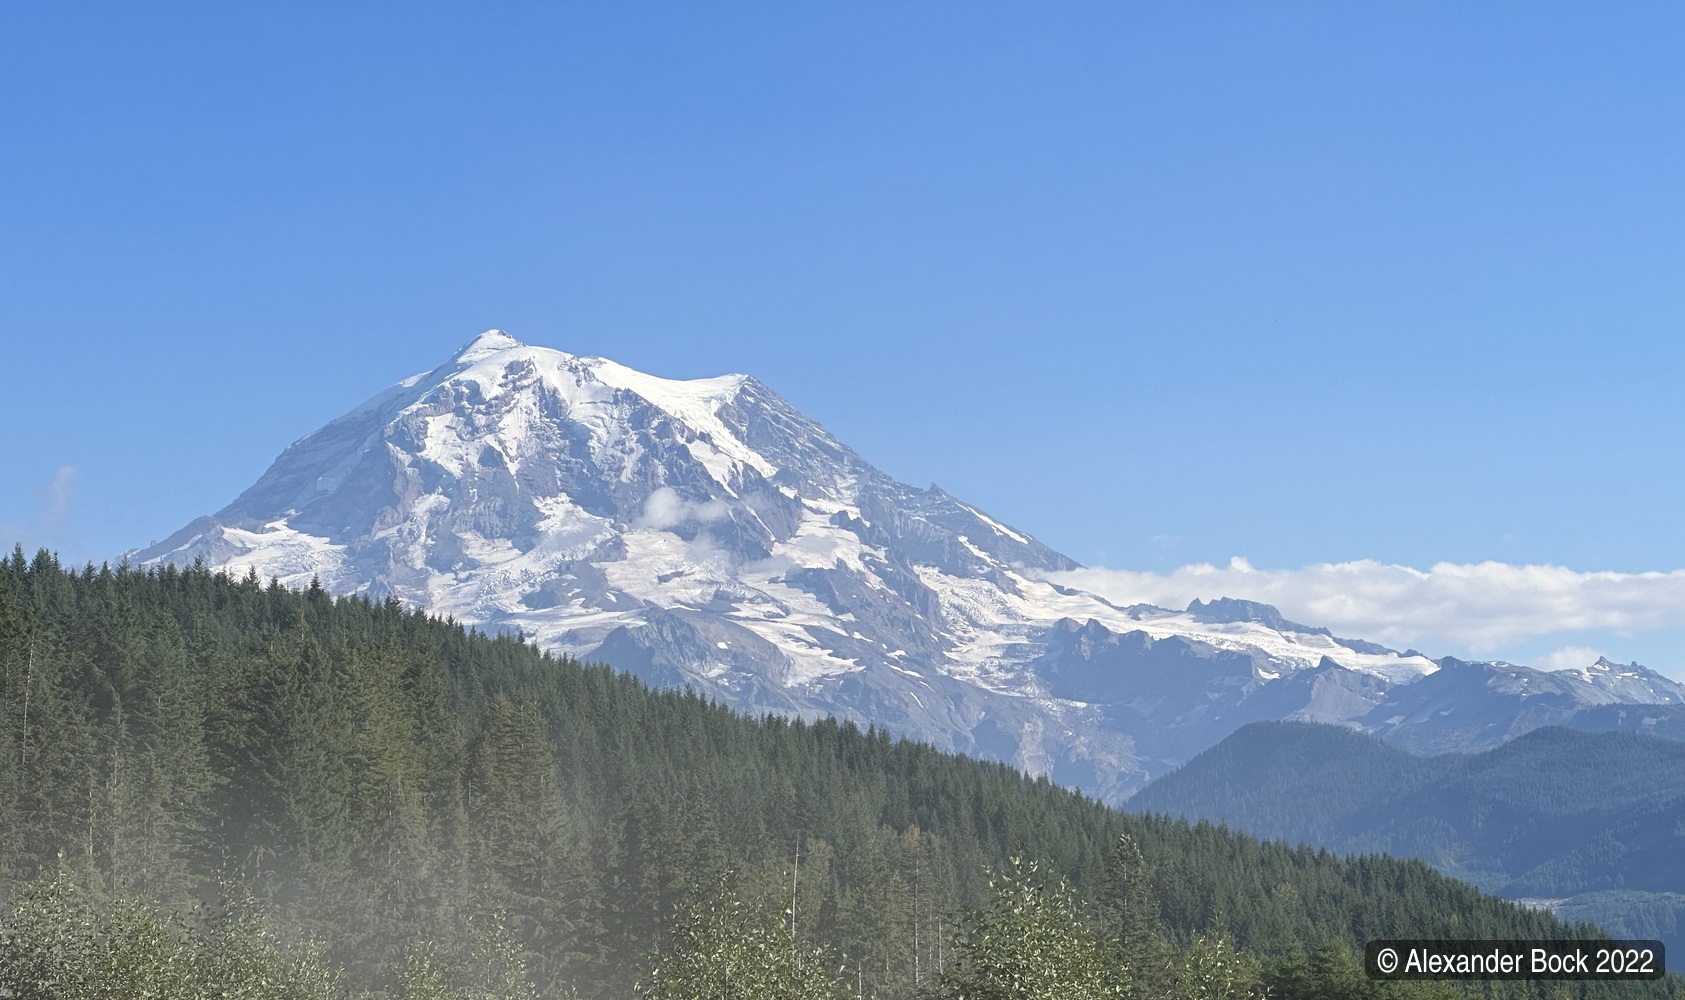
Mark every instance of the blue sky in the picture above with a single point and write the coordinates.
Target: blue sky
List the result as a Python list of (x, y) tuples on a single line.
[(1163, 284)]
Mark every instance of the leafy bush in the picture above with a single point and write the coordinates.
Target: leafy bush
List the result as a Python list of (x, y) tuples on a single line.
[(58, 944), (727, 949)]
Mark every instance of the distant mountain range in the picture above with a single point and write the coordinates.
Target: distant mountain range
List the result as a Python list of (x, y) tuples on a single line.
[(1586, 817), (706, 533)]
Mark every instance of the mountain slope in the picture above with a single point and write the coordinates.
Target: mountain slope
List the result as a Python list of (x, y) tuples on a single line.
[(380, 776), (1554, 814), (1513, 818), (1476, 706), (1297, 782), (1664, 721), (707, 534)]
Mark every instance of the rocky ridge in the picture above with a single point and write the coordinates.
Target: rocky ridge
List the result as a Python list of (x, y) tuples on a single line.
[(707, 533)]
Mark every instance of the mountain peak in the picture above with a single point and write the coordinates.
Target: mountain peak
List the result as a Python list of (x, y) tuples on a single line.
[(1230, 609), (1605, 667), (705, 532), (484, 346)]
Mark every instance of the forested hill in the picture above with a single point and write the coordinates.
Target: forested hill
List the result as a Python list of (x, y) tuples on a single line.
[(1296, 781), (1534, 817), (1593, 821), (380, 777)]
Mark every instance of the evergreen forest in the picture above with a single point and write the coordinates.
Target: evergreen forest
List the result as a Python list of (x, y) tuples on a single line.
[(214, 786), (1594, 820)]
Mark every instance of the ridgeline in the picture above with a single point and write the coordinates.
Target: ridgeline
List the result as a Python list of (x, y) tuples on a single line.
[(391, 784)]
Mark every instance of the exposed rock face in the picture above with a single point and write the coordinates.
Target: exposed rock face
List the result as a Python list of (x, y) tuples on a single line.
[(706, 533), (1477, 706)]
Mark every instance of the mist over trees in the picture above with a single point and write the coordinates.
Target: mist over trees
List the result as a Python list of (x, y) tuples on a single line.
[(294, 795)]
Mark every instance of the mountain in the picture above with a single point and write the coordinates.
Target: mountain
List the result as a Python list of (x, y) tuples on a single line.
[(1664, 721), (1587, 823), (1298, 782), (394, 787), (1476, 706), (707, 534)]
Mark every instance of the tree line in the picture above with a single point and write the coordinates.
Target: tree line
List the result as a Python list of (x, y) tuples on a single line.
[(396, 804)]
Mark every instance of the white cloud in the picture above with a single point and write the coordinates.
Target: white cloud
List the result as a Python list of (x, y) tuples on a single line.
[(1479, 607), (53, 502), (57, 497), (666, 509), (1568, 656)]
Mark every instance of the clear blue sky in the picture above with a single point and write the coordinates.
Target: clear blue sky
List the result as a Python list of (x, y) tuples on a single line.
[(1162, 284)]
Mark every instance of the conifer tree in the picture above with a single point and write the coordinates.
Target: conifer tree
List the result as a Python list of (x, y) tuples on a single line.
[(523, 845), (382, 778)]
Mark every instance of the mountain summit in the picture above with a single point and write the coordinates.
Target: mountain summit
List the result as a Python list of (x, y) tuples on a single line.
[(706, 533)]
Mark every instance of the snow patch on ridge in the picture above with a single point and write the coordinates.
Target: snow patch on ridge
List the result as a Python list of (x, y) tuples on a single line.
[(280, 552), (584, 503)]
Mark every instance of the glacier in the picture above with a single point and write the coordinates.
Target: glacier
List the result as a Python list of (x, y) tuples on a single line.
[(706, 533)]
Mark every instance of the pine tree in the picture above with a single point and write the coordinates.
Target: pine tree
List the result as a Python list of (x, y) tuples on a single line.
[(523, 845)]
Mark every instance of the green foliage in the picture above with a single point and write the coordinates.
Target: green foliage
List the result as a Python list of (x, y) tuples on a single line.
[(1554, 813), (495, 968), (726, 949), (380, 778), (1212, 969), (59, 944), (1030, 943), (1034, 941)]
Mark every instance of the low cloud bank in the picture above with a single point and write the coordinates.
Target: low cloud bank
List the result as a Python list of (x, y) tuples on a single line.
[(1479, 607)]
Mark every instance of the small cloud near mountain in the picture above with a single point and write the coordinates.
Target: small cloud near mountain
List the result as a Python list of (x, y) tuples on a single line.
[(666, 509), (54, 501), (705, 533), (1569, 657)]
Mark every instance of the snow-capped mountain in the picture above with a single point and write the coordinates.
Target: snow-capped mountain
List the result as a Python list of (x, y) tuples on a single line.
[(1627, 683), (707, 533), (1476, 706)]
